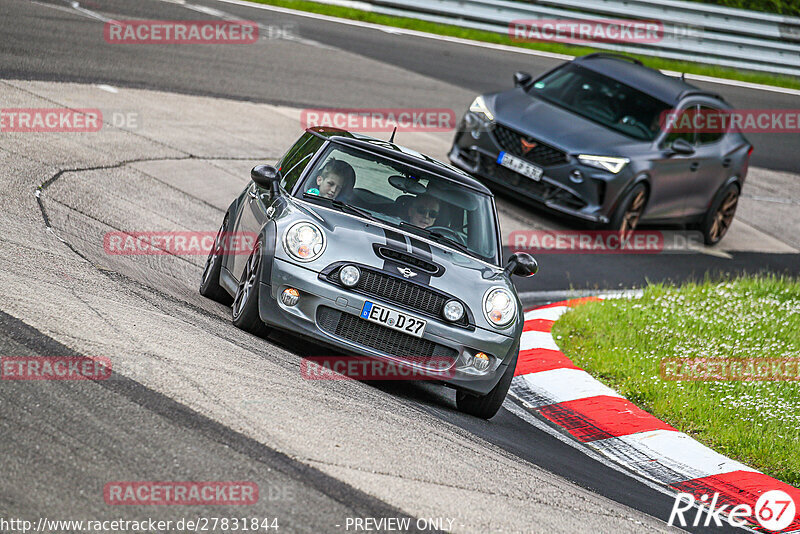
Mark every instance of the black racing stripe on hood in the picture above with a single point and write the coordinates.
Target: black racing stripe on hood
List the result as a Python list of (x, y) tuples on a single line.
[(421, 249), (399, 242)]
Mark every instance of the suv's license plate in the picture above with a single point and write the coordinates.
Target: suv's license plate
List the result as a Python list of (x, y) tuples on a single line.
[(520, 165), (393, 319)]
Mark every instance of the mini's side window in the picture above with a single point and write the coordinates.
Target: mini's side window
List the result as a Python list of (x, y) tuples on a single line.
[(297, 158), (681, 126)]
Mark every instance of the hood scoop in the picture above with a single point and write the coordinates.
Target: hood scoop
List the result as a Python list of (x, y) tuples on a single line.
[(404, 258)]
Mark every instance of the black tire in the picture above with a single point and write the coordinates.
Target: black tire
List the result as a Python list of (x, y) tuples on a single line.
[(486, 406), (209, 283), (244, 310), (720, 214), (626, 217)]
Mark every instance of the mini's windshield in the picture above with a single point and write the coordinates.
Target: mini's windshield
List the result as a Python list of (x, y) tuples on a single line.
[(602, 100), (404, 196)]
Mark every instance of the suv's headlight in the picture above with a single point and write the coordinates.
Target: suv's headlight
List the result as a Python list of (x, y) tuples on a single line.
[(499, 306), (479, 107), (304, 241), (607, 163)]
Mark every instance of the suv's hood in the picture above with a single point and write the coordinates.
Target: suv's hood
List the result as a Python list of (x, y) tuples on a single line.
[(553, 125)]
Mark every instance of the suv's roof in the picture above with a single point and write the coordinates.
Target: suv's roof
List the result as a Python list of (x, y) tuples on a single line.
[(630, 71), (403, 154)]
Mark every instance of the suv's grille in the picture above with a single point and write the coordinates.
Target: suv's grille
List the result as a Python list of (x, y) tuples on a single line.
[(541, 154), (391, 342), (403, 292), (541, 190)]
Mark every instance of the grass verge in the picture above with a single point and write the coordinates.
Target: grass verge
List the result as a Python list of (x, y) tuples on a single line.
[(491, 37), (621, 342)]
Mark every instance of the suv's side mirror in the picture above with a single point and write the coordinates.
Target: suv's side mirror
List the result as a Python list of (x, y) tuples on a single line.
[(267, 177), (681, 146), (521, 79), (521, 264)]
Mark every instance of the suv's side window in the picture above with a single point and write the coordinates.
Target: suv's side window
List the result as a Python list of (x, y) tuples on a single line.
[(714, 119), (298, 157), (682, 127)]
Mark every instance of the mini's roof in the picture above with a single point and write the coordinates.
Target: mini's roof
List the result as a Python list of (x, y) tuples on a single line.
[(400, 153), (631, 72)]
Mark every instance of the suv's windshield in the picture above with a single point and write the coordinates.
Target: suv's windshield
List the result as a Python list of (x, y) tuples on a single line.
[(404, 196), (602, 100)]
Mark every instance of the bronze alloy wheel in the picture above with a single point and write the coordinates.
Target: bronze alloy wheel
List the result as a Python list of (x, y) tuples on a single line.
[(632, 213), (723, 217)]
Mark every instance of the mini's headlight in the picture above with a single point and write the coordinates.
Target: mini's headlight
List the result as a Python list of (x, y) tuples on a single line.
[(304, 241), (350, 275), (607, 163), (479, 107), (453, 310), (499, 306)]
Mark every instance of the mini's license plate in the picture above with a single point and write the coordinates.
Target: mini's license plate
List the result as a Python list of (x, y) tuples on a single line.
[(520, 165), (393, 319)]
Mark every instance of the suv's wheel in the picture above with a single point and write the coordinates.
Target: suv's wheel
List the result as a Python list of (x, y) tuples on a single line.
[(720, 215), (244, 310), (486, 406), (629, 211), (209, 283)]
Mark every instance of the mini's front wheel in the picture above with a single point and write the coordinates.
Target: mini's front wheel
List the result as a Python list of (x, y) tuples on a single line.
[(486, 406), (244, 310), (209, 283)]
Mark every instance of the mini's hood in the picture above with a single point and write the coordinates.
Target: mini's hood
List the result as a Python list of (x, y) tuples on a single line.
[(554, 125), (351, 239)]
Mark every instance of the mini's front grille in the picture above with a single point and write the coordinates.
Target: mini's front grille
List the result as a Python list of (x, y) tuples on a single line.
[(539, 153), (403, 292), (386, 340)]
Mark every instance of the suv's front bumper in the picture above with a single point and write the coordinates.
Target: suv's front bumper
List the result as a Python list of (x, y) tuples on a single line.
[(318, 299)]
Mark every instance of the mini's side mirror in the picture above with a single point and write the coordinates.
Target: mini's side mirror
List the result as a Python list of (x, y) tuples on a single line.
[(267, 177), (681, 146), (521, 264), (521, 79)]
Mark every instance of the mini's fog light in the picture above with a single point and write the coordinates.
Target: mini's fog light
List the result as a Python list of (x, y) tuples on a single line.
[(350, 275), (453, 311), (290, 296), (480, 361)]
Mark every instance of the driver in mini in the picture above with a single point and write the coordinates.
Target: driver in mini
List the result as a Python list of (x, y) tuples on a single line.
[(423, 211), (335, 178)]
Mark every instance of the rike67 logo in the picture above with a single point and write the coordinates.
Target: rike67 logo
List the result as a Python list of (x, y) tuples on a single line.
[(774, 511)]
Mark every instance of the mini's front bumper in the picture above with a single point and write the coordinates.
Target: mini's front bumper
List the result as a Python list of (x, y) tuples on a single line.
[(317, 295)]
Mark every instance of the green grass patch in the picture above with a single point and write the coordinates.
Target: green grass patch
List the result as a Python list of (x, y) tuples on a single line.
[(622, 342), (491, 37)]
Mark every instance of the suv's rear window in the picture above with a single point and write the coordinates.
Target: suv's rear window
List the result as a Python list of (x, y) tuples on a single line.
[(603, 100)]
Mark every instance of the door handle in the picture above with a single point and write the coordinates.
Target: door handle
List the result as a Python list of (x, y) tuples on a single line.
[(726, 162), (693, 166)]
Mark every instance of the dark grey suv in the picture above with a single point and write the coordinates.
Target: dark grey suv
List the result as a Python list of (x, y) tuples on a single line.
[(588, 139)]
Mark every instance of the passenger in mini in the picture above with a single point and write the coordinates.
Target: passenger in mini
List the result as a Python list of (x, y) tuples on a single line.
[(423, 211), (335, 179)]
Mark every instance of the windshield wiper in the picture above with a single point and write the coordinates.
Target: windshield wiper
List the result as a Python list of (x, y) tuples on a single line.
[(343, 206), (439, 238)]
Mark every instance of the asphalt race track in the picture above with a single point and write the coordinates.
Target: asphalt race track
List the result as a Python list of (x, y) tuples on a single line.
[(193, 398)]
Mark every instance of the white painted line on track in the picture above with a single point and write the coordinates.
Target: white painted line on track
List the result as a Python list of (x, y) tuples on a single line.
[(492, 46), (550, 314), (563, 385), (537, 340)]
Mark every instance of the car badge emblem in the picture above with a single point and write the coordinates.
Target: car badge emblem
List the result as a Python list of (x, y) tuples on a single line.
[(406, 272), (526, 146)]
